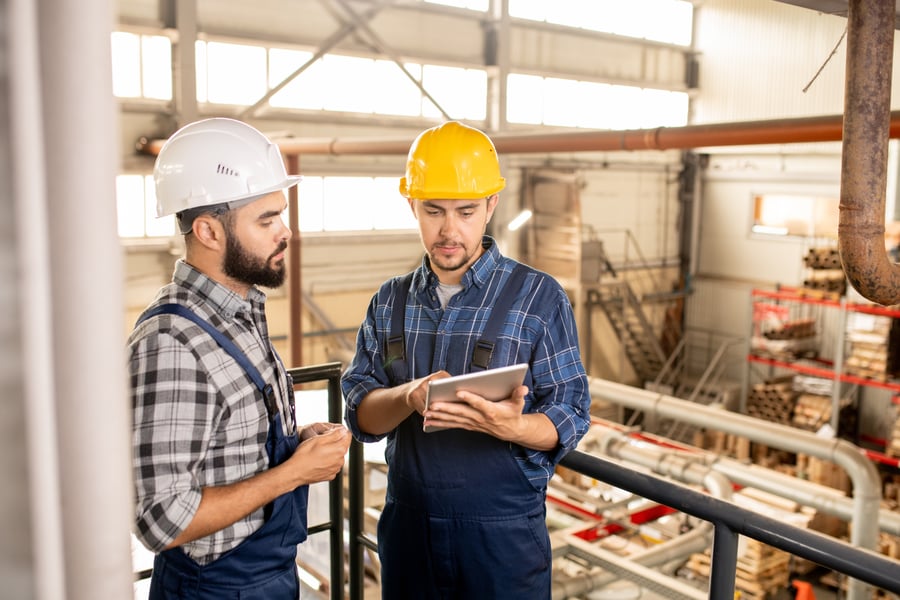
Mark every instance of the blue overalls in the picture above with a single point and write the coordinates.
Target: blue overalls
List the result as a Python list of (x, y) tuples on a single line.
[(263, 566), (461, 520)]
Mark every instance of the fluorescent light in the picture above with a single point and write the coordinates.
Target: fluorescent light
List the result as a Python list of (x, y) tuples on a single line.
[(520, 220)]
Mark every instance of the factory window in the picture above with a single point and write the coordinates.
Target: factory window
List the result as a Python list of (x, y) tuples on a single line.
[(793, 215), (136, 209), (142, 66), (237, 74), (667, 21), (326, 204), (353, 204), (566, 102)]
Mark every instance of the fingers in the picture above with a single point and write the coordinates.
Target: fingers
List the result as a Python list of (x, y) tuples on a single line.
[(323, 455)]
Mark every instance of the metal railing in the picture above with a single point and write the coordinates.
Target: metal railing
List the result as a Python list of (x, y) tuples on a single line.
[(729, 522), (330, 372)]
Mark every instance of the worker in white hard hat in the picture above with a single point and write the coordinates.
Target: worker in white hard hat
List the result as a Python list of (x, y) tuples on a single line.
[(221, 467), (465, 512)]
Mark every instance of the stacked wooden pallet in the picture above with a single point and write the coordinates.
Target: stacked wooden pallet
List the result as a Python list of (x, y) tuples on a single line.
[(822, 472), (867, 340), (761, 570), (811, 411)]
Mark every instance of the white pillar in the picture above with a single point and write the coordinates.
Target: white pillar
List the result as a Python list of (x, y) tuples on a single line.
[(92, 406)]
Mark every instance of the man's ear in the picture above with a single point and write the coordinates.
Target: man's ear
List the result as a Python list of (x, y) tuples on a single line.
[(491, 205), (208, 231), (412, 206)]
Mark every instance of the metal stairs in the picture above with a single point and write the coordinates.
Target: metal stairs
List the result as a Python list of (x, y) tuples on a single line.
[(640, 344)]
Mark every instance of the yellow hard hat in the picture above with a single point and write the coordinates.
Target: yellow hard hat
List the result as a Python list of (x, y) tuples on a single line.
[(452, 162)]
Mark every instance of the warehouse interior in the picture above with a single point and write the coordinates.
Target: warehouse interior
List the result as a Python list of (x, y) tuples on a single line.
[(678, 165)]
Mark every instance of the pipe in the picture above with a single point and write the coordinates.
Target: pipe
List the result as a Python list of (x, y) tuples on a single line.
[(680, 467), (867, 101), (746, 133), (295, 254), (866, 482), (823, 498)]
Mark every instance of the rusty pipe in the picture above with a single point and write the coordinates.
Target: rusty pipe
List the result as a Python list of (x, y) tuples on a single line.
[(746, 133), (867, 101)]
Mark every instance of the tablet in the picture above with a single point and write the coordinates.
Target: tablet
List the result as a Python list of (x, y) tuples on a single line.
[(492, 384)]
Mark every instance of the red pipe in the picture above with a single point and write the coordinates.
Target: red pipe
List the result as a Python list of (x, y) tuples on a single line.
[(746, 133)]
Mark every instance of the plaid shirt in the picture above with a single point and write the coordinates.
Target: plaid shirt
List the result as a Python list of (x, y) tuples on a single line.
[(540, 330), (198, 418)]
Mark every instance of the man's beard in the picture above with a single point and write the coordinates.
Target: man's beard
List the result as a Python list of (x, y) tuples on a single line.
[(246, 268)]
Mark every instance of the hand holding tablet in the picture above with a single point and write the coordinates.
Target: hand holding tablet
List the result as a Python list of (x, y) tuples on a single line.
[(492, 384)]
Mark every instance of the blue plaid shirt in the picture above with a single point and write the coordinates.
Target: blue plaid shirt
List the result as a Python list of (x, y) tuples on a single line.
[(539, 329)]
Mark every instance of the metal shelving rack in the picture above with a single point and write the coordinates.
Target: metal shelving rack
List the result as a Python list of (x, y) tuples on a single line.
[(831, 370)]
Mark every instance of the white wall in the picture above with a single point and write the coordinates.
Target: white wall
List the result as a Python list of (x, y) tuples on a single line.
[(756, 57)]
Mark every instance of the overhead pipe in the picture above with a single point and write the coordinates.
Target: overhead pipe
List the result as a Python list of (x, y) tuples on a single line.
[(868, 119), (742, 133)]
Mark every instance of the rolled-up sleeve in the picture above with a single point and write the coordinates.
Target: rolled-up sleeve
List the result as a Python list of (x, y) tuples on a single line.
[(561, 390), (364, 374)]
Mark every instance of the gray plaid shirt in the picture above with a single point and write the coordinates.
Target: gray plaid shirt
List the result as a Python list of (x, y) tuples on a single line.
[(198, 418)]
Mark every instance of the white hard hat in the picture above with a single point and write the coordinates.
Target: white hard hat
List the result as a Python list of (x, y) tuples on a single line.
[(217, 161)]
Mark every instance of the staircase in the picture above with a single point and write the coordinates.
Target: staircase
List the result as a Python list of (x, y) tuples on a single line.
[(638, 339)]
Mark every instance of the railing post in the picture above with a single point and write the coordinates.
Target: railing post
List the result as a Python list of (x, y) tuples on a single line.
[(335, 525), (356, 493), (723, 562)]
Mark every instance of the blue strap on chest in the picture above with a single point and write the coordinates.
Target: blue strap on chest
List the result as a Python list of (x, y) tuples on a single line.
[(395, 347), (267, 390)]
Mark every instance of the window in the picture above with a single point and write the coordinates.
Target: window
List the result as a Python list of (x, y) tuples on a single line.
[(795, 215), (142, 66), (567, 102), (230, 73), (353, 204), (667, 21), (326, 204), (136, 209)]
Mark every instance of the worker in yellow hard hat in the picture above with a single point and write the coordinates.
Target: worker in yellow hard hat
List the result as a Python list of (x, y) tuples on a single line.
[(467, 479)]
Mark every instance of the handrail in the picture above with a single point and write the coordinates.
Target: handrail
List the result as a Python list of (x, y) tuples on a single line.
[(730, 520), (335, 524)]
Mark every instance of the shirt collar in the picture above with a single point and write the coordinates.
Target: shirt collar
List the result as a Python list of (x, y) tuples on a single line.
[(220, 299)]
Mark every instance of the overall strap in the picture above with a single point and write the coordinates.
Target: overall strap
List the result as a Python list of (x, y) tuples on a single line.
[(484, 347), (267, 390), (395, 347)]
